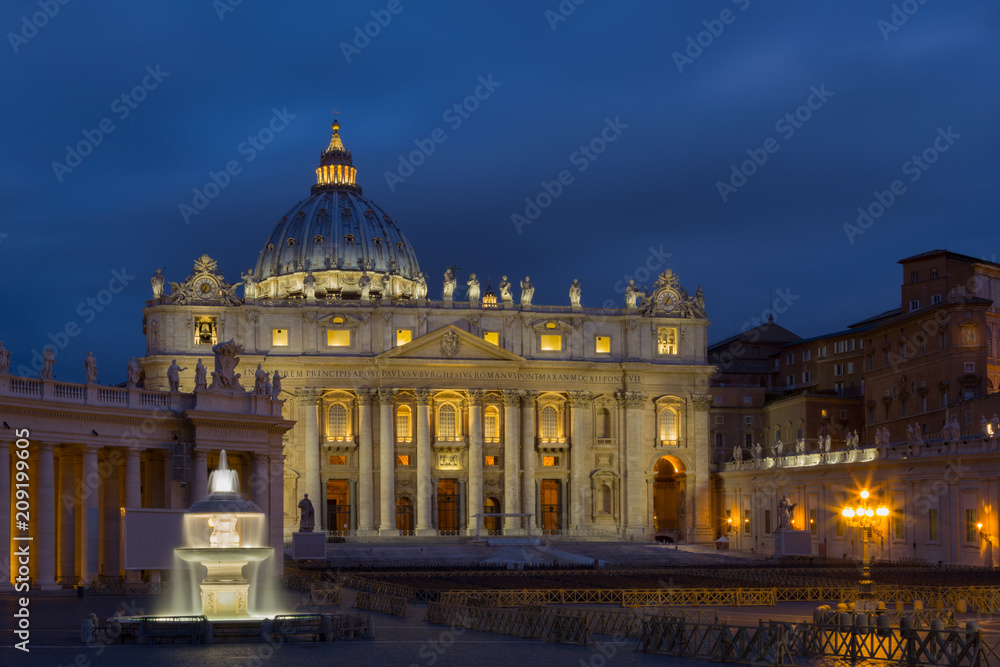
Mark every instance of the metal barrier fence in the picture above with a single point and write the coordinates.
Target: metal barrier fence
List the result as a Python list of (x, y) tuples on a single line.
[(674, 597), (555, 625), (384, 604)]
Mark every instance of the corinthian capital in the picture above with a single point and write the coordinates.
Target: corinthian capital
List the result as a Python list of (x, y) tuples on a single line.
[(386, 395), (423, 396), (510, 396), (701, 402)]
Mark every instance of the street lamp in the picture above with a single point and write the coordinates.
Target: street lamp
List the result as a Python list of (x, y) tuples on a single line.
[(866, 518)]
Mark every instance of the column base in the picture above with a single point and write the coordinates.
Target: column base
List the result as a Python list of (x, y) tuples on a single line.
[(47, 586), (701, 535), (388, 532), (515, 532), (638, 534), (425, 532), (368, 532)]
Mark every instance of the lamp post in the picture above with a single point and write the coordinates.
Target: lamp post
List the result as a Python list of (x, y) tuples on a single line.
[(866, 518)]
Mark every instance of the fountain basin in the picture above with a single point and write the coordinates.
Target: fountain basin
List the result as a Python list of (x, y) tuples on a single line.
[(206, 555)]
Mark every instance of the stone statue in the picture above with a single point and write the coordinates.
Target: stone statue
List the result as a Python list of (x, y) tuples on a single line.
[(918, 434), (956, 430), (984, 426), (308, 519), (527, 291), (157, 282), (909, 434), (800, 446), (260, 381), (506, 294), (827, 443), (473, 284), (249, 285), (200, 376), (309, 286), (995, 426), (174, 376), (631, 295), (737, 453), (449, 284), (132, 373), (4, 359), (757, 451), (420, 288), (267, 384), (698, 309), (224, 376), (48, 360), (779, 446), (885, 436), (365, 283), (276, 386), (785, 509), (574, 293), (90, 367), (878, 437)]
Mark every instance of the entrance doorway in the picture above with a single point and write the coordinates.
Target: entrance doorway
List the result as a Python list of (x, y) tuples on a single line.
[(447, 501), (492, 523), (551, 506), (668, 499), (404, 516), (338, 505)]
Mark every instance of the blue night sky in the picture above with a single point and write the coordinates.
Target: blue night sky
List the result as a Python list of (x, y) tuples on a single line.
[(211, 75)]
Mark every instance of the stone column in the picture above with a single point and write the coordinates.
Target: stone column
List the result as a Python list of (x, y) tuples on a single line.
[(631, 404), (365, 481), (5, 485), (90, 519), (168, 479), (463, 507), (581, 403), (276, 520), (133, 489), (66, 513), (110, 530), (199, 477), (511, 462), (259, 487), (700, 515), (474, 503), (352, 504), (529, 457), (45, 511), (308, 400), (425, 502), (387, 464)]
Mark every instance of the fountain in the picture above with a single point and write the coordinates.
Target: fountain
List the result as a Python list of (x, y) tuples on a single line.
[(225, 530)]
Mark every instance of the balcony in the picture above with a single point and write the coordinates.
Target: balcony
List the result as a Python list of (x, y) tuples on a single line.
[(340, 444), (551, 445), (449, 443)]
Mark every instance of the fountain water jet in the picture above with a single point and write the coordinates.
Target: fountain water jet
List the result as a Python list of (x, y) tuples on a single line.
[(229, 547)]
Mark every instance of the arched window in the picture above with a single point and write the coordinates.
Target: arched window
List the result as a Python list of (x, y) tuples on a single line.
[(550, 423), (603, 423), (403, 433), (337, 423), (668, 425), (446, 421), (491, 424)]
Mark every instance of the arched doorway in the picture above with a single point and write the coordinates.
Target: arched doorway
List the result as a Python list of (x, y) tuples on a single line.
[(492, 524), (668, 499), (447, 499), (404, 516)]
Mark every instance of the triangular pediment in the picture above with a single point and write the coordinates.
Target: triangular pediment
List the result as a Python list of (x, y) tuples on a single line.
[(450, 344)]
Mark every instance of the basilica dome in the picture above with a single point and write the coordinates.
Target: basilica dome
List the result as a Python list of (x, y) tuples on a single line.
[(337, 244)]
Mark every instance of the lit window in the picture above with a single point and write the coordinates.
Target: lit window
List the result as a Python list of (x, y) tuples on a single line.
[(971, 527), (492, 337), (491, 424), (403, 424), (402, 459), (490, 460), (338, 337), (603, 345), (446, 421), (549, 461), (403, 336), (279, 337), (338, 460), (550, 423), (666, 340), (668, 425), (205, 331), (337, 422), (551, 342)]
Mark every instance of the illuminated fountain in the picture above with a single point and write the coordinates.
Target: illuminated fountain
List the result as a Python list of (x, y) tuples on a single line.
[(225, 530)]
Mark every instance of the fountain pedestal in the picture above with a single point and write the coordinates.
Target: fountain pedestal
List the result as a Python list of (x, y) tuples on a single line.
[(224, 591)]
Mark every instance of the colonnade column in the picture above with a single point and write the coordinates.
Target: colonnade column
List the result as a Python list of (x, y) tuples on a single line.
[(511, 461), (276, 520), (260, 483), (110, 530), (90, 519), (66, 513), (199, 477), (365, 498), (425, 503), (387, 462), (474, 502), (5, 484), (133, 494), (631, 403), (701, 513), (308, 398), (45, 570), (529, 485), (579, 451)]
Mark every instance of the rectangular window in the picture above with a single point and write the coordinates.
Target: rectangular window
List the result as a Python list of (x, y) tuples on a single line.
[(279, 337), (899, 526), (806, 355), (767, 522), (971, 529), (720, 419), (838, 369), (403, 336), (338, 460), (746, 522), (338, 337), (492, 337), (717, 400), (748, 440), (551, 342), (933, 274), (550, 461), (666, 340), (822, 352), (490, 460), (719, 440), (806, 376), (812, 522), (838, 347), (914, 304), (969, 367), (747, 400), (850, 367), (935, 299), (206, 330), (850, 345), (913, 276), (932, 525), (789, 358), (748, 419), (602, 345), (402, 459), (790, 380), (840, 525)]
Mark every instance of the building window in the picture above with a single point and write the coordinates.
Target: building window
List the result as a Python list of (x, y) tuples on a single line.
[(338, 460), (748, 419), (402, 459), (899, 526), (932, 525), (971, 529), (790, 380), (550, 423), (719, 440), (822, 352), (914, 304), (446, 421), (205, 330), (338, 337), (850, 367), (913, 276), (933, 274), (602, 345), (806, 376), (839, 525), (492, 337), (767, 522), (720, 419), (748, 400), (813, 528), (789, 358), (279, 337), (717, 400), (668, 425), (748, 440), (944, 398), (337, 422), (746, 522), (491, 424), (551, 342), (403, 421), (603, 423), (838, 369), (943, 339), (550, 461), (666, 340), (490, 460), (806, 355), (921, 345), (403, 336), (969, 367), (839, 347), (935, 299)]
